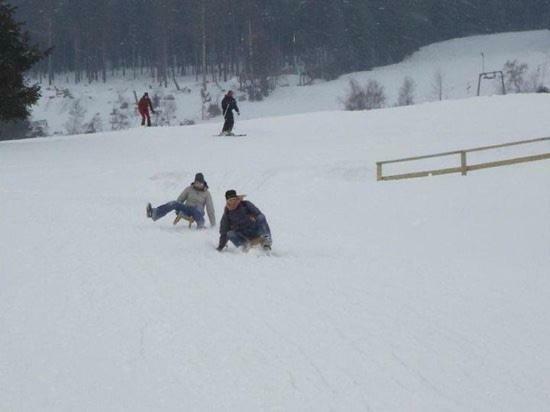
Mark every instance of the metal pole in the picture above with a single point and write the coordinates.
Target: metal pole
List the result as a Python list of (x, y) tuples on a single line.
[(479, 84)]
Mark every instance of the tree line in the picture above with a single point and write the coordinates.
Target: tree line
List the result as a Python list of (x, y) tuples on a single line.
[(17, 56), (255, 39)]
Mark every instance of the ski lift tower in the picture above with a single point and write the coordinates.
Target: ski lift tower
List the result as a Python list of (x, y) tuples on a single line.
[(491, 76)]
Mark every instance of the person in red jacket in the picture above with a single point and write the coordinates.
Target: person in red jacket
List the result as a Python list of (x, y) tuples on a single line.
[(144, 105)]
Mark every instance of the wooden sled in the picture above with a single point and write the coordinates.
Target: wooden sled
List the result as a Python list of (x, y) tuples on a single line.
[(181, 216), (254, 242), (257, 241)]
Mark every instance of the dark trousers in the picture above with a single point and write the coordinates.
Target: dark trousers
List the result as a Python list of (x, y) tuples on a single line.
[(229, 123)]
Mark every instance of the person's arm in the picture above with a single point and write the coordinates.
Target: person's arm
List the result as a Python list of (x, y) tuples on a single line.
[(183, 196), (210, 209), (236, 107), (224, 228), (253, 211)]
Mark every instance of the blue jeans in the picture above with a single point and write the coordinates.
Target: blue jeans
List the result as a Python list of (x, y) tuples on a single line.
[(194, 212), (260, 228)]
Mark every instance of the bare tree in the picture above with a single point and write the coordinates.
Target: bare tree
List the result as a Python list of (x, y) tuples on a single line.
[(355, 99), (537, 79), (95, 125), (365, 98), (376, 99), (76, 118), (438, 85), (514, 75), (406, 92)]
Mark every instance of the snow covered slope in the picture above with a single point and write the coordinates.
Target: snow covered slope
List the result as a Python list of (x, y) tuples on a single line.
[(420, 295), (458, 62)]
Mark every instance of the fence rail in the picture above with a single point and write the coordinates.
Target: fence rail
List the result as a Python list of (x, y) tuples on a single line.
[(464, 168)]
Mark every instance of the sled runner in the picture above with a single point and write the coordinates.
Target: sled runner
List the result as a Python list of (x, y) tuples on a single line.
[(181, 216)]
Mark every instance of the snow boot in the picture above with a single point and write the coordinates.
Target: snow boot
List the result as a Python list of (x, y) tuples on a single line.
[(266, 241)]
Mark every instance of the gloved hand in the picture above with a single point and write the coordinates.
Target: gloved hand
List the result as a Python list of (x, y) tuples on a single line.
[(239, 113), (220, 248)]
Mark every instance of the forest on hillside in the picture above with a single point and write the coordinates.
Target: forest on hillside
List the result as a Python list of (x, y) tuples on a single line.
[(254, 39)]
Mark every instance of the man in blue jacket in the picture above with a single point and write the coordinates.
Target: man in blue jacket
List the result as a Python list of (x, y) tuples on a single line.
[(243, 224)]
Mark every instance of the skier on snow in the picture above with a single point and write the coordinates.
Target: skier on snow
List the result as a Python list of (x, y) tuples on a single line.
[(228, 105), (243, 224), (144, 105), (191, 202)]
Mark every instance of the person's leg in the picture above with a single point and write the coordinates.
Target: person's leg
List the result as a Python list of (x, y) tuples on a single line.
[(142, 118), (228, 124), (236, 238), (226, 128), (148, 118), (194, 212), (262, 230), (164, 209)]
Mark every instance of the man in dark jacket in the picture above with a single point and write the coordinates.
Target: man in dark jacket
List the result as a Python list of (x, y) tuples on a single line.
[(144, 105), (228, 105), (243, 224)]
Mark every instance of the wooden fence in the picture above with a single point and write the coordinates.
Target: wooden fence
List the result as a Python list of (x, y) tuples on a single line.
[(464, 168)]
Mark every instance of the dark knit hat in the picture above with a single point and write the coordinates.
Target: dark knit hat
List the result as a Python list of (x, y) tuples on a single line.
[(199, 178), (230, 194)]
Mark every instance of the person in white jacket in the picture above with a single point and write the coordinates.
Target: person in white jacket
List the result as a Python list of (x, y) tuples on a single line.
[(190, 203)]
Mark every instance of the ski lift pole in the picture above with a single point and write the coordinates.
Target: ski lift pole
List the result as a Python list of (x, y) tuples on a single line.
[(235, 122)]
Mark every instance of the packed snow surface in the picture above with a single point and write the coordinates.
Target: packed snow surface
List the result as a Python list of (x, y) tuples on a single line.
[(419, 295), (428, 294)]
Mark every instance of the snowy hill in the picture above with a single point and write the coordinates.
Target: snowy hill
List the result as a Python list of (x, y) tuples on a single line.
[(457, 62), (420, 295)]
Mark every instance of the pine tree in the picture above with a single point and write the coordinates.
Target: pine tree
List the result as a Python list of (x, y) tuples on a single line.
[(18, 56), (256, 39)]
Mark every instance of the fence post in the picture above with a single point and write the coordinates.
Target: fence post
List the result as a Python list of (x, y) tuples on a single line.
[(463, 166), (378, 171)]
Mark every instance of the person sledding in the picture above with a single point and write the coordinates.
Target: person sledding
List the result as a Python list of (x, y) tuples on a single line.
[(189, 205), (144, 105), (243, 224), (228, 105)]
